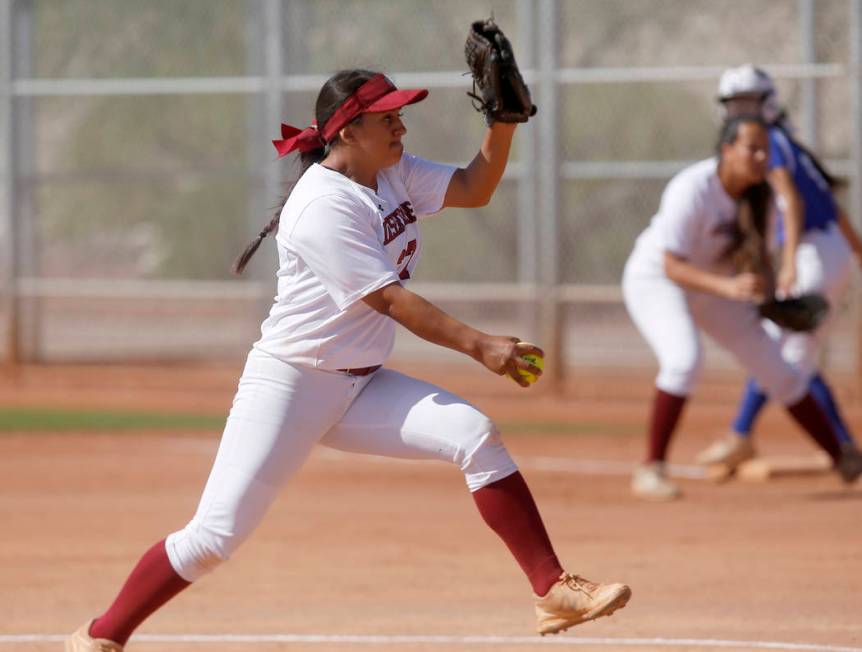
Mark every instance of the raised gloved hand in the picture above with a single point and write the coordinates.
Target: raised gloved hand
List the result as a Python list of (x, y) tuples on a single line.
[(503, 96)]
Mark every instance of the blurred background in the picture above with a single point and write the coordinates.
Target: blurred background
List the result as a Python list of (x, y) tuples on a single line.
[(136, 162)]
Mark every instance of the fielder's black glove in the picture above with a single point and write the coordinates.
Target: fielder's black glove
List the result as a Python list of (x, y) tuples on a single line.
[(802, 314)]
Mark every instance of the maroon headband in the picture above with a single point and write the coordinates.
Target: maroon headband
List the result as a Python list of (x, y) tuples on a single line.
[(377, 94)]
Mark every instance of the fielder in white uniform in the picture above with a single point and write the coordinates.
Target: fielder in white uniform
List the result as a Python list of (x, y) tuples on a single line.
[(348, 239), (701, 266), (818, 244)]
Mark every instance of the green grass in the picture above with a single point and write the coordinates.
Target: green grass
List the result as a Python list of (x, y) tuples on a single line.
[(51, 419), (570, 427), (54, 420)]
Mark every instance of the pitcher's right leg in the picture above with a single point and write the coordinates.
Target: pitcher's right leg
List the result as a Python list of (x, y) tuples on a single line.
[(279, 413)]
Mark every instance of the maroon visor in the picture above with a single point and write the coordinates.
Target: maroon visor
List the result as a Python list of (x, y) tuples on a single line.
[(376, 95)]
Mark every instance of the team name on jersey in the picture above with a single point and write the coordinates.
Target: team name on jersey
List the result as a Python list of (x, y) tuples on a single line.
[(395, 223)]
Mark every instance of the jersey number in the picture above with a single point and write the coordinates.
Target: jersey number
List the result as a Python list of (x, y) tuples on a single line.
[(407, 254)]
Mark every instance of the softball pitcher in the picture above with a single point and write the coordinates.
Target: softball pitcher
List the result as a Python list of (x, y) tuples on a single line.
[(348, 239), (818, 247), (701, 266)]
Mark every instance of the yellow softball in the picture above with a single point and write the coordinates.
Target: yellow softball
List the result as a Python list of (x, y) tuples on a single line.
[(535, 360)]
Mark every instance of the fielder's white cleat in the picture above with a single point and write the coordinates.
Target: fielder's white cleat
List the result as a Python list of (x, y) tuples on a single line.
[(573, 600), (81, 641), (729, 451), (650, 482)]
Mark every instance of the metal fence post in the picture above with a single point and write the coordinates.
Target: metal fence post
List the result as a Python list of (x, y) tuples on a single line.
[(25, 183), (548, 185), (256, 130), (273, 72), (7, 183), (855, 79), (528, 198), (807, 29), (272, 114)]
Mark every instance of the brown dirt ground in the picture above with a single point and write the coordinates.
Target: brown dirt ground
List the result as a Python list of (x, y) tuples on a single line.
[(356, 546)]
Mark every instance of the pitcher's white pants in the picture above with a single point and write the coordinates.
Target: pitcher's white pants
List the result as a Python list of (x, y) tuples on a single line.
[(671, 318), (281, 411)]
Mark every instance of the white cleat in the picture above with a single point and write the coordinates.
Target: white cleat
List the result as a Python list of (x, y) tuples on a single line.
[(650, 482)]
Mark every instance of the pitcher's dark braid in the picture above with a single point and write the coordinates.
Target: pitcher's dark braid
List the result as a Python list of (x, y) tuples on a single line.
[(332, 95), (242, 260)]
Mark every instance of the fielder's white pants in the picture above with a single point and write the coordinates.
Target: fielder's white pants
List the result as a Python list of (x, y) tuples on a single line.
[(281, 411), (823, 264), (671, 319)]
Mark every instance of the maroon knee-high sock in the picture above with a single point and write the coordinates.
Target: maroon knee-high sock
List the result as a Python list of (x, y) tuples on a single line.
[(666, 410), (814, 421), (151, 583), (509, 509)]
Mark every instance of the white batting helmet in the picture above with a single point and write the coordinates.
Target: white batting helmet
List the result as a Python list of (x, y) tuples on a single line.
[(748, 81)]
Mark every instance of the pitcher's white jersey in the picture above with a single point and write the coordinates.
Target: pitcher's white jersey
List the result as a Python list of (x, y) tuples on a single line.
[(696, 221), (338, 241)]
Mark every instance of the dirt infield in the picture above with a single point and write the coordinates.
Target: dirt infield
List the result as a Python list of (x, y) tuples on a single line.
[(359, 546)]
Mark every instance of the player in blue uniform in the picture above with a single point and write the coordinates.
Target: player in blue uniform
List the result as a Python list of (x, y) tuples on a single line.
[(818, 248)]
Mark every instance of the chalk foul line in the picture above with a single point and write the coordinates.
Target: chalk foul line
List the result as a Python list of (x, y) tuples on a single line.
[(348, 639)]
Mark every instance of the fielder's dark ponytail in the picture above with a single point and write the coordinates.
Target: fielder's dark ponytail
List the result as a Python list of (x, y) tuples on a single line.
[(332, 95), (750, 255), (834, 182), (747, 249)]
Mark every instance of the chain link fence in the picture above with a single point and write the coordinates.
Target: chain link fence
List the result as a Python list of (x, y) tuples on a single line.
[(137, 162)]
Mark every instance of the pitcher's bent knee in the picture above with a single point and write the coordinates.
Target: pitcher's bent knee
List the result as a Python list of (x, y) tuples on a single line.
[(483, 457), (196, 550)]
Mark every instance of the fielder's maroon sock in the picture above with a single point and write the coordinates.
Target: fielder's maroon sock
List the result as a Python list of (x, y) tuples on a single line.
[(152, 583), (811, 417), (509, 509), (666, 410)]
